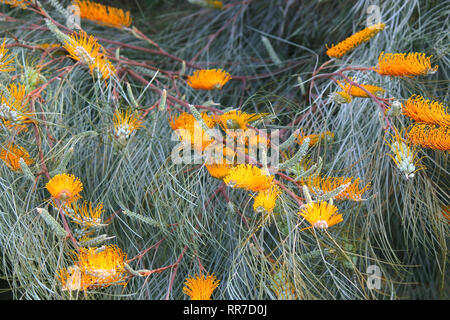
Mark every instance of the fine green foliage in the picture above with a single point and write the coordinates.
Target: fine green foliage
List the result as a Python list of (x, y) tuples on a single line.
[(176, 219)]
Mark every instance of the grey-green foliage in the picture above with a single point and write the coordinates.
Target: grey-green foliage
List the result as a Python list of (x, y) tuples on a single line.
[(399, 228)]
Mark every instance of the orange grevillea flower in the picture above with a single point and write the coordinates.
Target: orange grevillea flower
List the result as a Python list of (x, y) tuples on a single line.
[(85, 215), (88, 51), (218, 170), (12, 155), (337, 51), (237, 120), (95, 268), (200, 287), (103, 15), (322, 185), (426, 111), (5, 59), (65, 187), (248, 177), (208, 79), (404, 65), (17, 3), (314, 138), (355, 91), (189, 130), (321, 215), (125, 124), (14, 112), (430, 136), (265, 200), (185, 119)]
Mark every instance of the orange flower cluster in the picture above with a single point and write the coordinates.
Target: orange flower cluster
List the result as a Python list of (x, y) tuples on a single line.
[(12, 155), (200, 287), (426, 111), (337, 51), (5, 59), (236, 119), (322, 185), (208, 79), (189, 130), (248, 177), (89, 52), (65, 187), (95, 268), (404, 65), (355, 91), (17, 3), (14, 112), (321, 215), (430, 136), (103, 15)]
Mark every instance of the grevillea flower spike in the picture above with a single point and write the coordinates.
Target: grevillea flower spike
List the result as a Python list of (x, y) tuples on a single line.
[(337, 51), (430, 136), (404, 65), (426, 111), (103, 15)]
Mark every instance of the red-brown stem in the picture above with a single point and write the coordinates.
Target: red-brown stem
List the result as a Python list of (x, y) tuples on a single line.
[(175, 269)]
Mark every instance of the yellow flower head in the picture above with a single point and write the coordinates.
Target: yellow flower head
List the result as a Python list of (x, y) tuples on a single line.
[(102, 67), (322, 185), (248, 177), (14, 112), (236, 119), (65, 187), (321, 215), (125, 124), (430, 136), (103, 15), (87, 50), (404, 65), (86, 216), (265, 200), (95, 268), (314, 138), (218, 170), (337, 51), (5, 59), (200, 287), (358, 92), (12, 155), (426, 111), (208, 79)]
